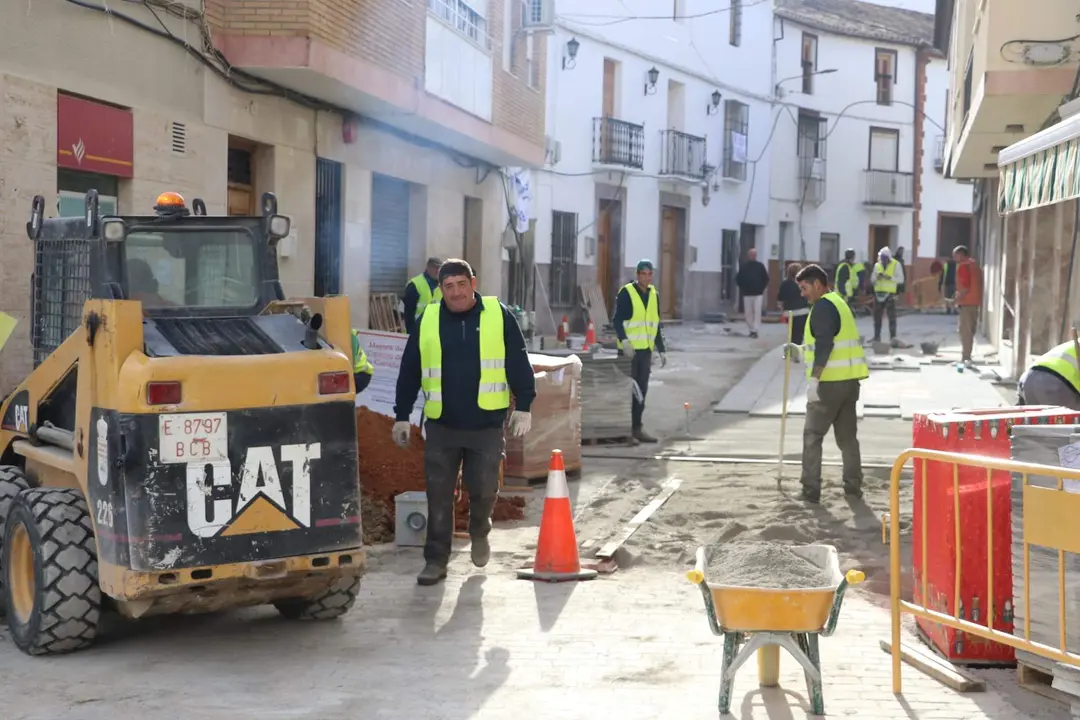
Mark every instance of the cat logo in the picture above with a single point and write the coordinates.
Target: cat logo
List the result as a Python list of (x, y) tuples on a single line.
[(216, 508)]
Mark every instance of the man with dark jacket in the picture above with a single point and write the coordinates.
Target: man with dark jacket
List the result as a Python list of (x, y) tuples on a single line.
[(476, 345), (638, 327), (753, 281), (422, 290)]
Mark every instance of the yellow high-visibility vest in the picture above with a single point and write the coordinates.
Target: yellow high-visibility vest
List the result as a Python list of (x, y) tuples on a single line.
[(424, 291), (852, 279), (847, 361), (885, 282), (361, 364), (494, 391), (1062, 360), (644, 323)]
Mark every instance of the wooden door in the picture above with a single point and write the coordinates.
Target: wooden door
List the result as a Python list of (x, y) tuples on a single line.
[(669, 233), (880, 235), (603, 252), (609, 88)]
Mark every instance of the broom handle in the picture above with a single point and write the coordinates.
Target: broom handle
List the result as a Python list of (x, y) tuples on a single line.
[(783, 409)]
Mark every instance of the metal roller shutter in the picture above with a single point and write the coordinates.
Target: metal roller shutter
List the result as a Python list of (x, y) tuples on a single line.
[(389, 235)]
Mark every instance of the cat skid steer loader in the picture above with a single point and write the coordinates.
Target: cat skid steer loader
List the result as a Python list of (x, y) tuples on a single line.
[(187, 440)]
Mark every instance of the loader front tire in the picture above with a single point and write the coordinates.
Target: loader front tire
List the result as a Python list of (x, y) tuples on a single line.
[(12, 482), (51, 572), (331, 603)]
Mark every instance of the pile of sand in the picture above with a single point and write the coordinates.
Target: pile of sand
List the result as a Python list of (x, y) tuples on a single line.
[(764, 565)]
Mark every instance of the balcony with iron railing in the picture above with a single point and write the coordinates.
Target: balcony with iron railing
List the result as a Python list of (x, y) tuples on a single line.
[(811, 176), (617, 143), (682, 155), (889, 188)]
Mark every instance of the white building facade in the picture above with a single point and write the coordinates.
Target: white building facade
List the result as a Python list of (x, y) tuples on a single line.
[(857, 146), (656, 149)]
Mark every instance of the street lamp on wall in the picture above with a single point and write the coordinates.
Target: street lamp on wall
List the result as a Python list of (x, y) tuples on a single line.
[(715, 106), (570, 58), (654, 75)]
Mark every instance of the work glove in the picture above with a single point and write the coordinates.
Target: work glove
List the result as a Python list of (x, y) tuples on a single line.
[(520, 423), (795, 352), (812, 390), (663, 359), (628, 351), (401, 433)]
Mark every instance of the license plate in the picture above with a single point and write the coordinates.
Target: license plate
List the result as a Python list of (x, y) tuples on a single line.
[(193, 437)]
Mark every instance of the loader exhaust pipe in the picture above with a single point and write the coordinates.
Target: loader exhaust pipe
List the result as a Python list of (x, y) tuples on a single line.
[(311, 332)]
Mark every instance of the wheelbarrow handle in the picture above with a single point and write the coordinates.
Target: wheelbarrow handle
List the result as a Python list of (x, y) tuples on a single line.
[(853, 577)]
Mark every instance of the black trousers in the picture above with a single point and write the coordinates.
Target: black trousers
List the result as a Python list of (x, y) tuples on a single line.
[(798, 328), (478, 454), (640, 369), (885, 308)]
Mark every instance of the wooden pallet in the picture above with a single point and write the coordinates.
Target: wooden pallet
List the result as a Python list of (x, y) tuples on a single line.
[(522, 482), (595, 306), (384, 315), (1039, 681), (601, 441)]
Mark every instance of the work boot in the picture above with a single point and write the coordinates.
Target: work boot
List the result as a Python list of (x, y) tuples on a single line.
[(480, 551), (431, 574), (811, 494), (641, 436), (853, 491)]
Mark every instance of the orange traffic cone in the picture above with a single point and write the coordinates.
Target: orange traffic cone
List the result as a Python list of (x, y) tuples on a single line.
[(564, 328), (590, 336), (557, 550)]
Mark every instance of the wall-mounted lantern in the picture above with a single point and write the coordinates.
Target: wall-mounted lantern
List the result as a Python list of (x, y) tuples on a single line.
[(654, 75), (570, 58), (715, 106)]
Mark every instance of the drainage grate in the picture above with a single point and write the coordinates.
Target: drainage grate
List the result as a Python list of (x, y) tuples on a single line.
[(179, 138)]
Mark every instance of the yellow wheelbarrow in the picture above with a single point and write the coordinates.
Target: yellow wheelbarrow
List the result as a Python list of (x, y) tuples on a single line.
[(763, 620)]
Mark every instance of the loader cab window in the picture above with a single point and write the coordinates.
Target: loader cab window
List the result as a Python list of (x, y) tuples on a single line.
[(192, 269)]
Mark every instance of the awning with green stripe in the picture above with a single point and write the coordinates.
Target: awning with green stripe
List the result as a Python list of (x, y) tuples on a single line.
[(1041, 170)]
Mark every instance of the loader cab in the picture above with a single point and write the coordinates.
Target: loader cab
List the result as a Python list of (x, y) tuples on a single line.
[(200, 279)]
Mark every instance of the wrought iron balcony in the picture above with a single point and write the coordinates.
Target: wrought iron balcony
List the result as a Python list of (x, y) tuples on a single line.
[(682, 155), (618, 143), (889, 188), (812, 174)]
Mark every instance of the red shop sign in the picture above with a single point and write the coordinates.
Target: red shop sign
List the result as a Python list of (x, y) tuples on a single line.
[(93, 137)]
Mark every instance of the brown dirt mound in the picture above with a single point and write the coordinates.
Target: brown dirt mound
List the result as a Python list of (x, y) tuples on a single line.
[(387, 471)]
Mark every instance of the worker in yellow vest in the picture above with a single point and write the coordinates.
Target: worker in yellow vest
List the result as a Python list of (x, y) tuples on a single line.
[(363, 370), (1053, 379), (640, 332), (835, 365), (887, 277), (475, 343), (847, 277), (421, 291)]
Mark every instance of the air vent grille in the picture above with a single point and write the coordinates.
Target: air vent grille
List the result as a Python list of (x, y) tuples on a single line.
[(179, 138)]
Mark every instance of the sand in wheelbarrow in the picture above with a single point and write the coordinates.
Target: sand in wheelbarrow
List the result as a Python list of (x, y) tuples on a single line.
[(764, 565)]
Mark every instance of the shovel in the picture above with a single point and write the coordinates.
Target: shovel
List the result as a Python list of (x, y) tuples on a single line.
[(783, 407)]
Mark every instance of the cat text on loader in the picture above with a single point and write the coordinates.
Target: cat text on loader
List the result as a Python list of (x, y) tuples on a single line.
[(187, 439)]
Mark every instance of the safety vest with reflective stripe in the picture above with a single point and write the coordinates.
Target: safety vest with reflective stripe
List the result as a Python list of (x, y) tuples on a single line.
[(885, 275), (359, 357), (494, 391), (427, 297), (847, 361), (1062, 360), (644, 323), (852, 279)]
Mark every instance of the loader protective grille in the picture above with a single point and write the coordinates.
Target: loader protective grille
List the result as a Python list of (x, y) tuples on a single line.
[(61, 286)]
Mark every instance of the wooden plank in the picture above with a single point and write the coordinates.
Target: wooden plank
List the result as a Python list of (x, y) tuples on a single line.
[(936, 667), (1039, 682), (667, 490)]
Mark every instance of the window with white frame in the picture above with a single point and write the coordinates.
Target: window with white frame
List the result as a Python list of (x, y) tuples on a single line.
[(521, 59), (736, 138), (468, 17)]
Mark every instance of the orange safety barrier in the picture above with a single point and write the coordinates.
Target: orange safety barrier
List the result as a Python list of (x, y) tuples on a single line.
[(1049, 521)]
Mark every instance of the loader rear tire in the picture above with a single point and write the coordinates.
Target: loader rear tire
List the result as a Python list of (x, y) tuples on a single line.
[(332, 603), (12, 482), (51, 572)]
